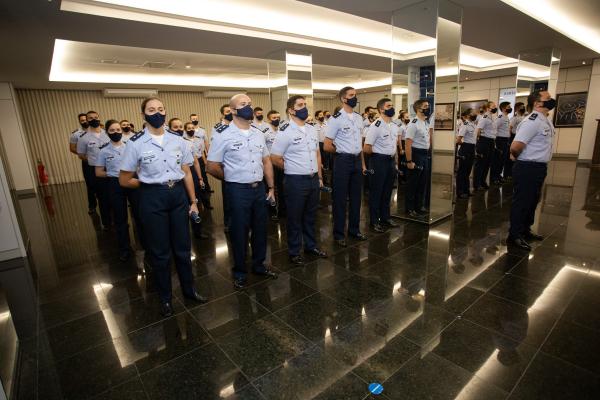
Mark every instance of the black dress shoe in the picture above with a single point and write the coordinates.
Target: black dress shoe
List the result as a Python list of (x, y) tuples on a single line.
[(377, 228), (296, 260), (533, 236), (197, 297), (359, 236), (166, 309), (240, 283), (390, 224), (518, 242), (341, 242), (267, 273), (316, 252)]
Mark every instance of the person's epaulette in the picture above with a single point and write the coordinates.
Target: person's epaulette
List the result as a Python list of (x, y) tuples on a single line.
[(284, 126), (337, 114), (82, 133), (414, 121), (222, 128), (137, 136), (378, 123), (76, 130), (103, 146), (532, 117), (218, 124), (485, 116)]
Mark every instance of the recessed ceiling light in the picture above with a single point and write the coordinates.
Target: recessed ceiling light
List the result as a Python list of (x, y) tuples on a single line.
[(583, 62), (188, 66)]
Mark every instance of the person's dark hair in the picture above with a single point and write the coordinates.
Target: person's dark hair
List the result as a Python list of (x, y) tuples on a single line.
[(124, 120), (417, 105), (173, 120), (519, 105), (193, 115), (91, 112), (532, 98), (185, 126), (343, 91), (81, 115), (292, 101), (257, 109), (402, 113), (467, 112), (337, 109), (504, 104), (271, 113), (223, 108), (109, 122), (149, 99), (381, 103), (318, 112), (368, 108)]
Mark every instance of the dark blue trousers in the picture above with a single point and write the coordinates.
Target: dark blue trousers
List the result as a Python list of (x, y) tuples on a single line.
[(465, 166), (117, 197), (302, 198), (528, 180), (499, 160), (382, 185), (101, 188), (347, 182), (248, 212), (204, 175), (226, 213), (416, 186), (402, 170), (196, 228), (164, 212), (485, 149), (88, 175), (508, 163)]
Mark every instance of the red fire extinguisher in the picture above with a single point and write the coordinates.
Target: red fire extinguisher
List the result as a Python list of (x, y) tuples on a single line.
[(42, 175)]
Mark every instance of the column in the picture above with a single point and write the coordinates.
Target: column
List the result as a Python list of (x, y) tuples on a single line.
[(590, 123)]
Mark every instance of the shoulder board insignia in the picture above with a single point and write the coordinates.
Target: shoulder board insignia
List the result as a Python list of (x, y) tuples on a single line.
[(221, 128), (137, 136), (265, 130), (356, 112), (284, 127), (532, 117), (254, 126), (414, 121), (103, 146), (83, 133), (218, 124), (378, 123), (337, 114), (485, 116), (76, 130)]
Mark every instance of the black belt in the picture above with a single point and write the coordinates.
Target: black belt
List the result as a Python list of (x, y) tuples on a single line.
[(249, 185), (347, 155), (382, 155), (170, 184), (485, 137), (418, 150), (538, 164), (309, 176)]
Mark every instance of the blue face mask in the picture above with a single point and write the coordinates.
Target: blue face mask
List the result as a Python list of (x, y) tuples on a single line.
[(352, 102), (390, 112), (228, 117), (245, 112), (426, 112), (115, 137), (275, 123), (550, 104), (302, 114), (155, 120)]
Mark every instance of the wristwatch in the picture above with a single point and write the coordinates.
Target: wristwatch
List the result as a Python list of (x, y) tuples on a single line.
[(195, 201)]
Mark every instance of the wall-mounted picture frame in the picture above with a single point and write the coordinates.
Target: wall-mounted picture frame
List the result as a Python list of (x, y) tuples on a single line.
[(444, 117), (474, 104), (570, 110)]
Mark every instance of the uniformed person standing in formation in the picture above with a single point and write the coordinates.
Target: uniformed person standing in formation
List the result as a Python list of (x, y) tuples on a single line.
[(486, 136), (344, 138), (200, 134), (532, 149), (402, 122), (88, 148), (77, 133), (108, 166), (296, 151), (418, 143), (273, 121), (514, 123), (238, 154), (502, 143), (127, 132), (162, 161), (320, 126), (73, 139), (259, 119), (381, 144), (226, 118), (466, 151)]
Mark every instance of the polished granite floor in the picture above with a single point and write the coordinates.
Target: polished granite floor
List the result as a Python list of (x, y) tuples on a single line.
[(440, 312)]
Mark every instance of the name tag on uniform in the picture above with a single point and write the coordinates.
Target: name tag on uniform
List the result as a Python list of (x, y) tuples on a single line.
[(236, 146), (385, 136), (110, 158), (148, 157), (297, 140)]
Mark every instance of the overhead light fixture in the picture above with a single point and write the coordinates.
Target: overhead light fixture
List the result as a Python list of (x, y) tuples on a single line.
[(144, 93), (188, 66), (583, 62)]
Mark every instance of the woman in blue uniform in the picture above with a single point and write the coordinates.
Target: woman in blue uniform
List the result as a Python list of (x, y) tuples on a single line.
[(162, 161)]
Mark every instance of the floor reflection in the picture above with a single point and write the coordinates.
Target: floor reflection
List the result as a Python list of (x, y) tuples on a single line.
[(446, 311)]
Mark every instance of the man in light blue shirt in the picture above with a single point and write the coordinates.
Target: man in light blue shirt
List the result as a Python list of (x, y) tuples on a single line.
[(239, 156), (486, 142), (296, 151), (344, 138), (466, 140), (418, 143), (502, 143)]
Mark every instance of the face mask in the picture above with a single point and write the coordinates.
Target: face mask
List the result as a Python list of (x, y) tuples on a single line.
[(522, 111), (473, 117), (494, 110), (321, 119), (195, 123), (155, 120), (389, 112), (275, 123), (245, 112), (259, 117), (509, 110), (406, 121), (327, 116), (84, 125), (115, 137), (190, 133), (426, 112), (352, 102), (94, 123), (228, 117), (549, 104), (126, 129), (302, 114), (179, 132)]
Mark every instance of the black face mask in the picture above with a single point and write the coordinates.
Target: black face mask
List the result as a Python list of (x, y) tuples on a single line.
[(190, 133), (195, 123), (115, 137), (259, 117), (228, 117), (406, 121), (84, 125), (321, 119), (473, 117), (508, 110), (94, 123), (494, 110), (155, 120), (275, 123), (549, 104), (126, 129), (426, 112), (328, 116)]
